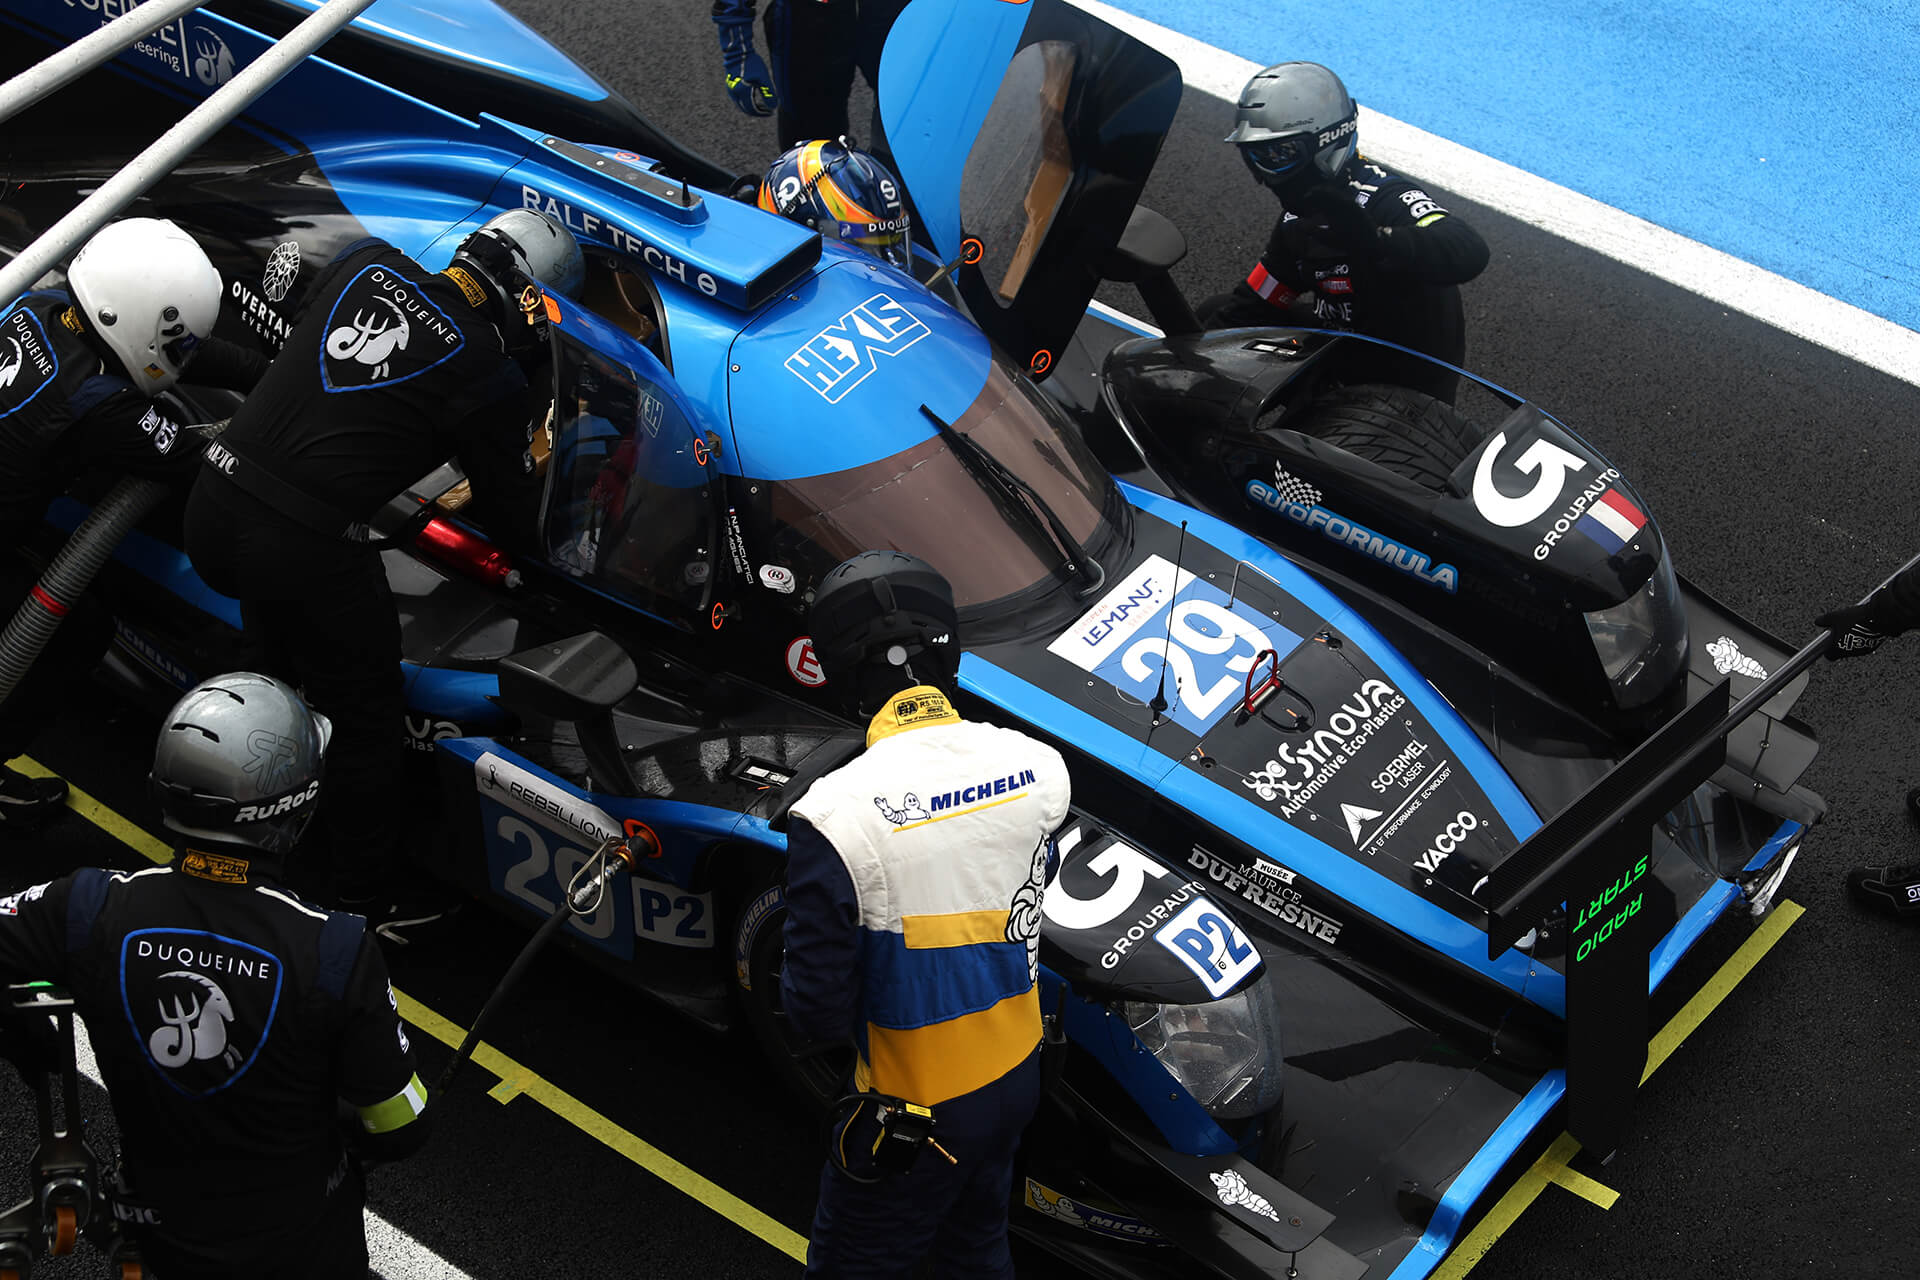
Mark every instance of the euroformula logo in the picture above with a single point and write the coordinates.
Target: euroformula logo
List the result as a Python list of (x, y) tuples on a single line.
[(1357, 538)]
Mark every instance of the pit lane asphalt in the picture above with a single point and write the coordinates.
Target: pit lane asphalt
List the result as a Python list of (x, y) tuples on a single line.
[(1780, 1138)]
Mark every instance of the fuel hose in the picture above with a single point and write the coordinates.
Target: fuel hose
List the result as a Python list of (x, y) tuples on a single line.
[(583, 896), (86, 550)]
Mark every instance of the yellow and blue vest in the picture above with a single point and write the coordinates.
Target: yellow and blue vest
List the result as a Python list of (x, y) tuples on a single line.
[(942, 829)]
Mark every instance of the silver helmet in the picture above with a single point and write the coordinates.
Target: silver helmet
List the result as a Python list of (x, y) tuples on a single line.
[(527, 243), (239, 761), (1295, 125)]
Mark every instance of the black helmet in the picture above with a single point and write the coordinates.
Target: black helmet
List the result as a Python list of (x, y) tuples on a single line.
[(884, 618), (239, 762), (1295, 126)]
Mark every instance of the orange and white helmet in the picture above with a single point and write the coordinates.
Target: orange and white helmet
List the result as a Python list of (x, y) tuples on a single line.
[(844, 194)]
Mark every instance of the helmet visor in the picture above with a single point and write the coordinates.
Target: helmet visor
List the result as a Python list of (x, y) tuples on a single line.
[(1277, 157), (891, 241)]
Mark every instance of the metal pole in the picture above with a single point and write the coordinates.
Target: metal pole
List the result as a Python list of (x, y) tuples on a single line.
[(175, 145), (88, 52)]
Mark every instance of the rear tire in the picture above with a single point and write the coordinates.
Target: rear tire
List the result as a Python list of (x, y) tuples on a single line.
[(1408, 433), (758, 948)]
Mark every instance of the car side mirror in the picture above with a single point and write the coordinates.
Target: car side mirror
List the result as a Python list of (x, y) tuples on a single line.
[(1144, 257)]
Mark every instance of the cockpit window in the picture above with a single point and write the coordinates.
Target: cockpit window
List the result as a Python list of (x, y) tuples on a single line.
[(628, 507), (926, 501)]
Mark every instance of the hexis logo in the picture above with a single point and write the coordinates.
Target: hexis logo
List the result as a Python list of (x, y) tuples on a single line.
[(842, 356)]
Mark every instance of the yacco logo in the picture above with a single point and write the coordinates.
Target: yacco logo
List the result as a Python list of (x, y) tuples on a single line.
[(1357, 537), (1152, 631), (841, 356)]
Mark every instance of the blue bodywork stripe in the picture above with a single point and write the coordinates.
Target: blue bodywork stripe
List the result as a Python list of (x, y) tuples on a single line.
[(464, 697), (154, 560), (1472, 1181)]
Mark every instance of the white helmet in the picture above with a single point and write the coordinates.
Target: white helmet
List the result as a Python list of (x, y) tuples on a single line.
[(147, 289)]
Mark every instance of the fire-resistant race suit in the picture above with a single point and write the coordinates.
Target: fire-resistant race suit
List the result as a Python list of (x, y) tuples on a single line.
[(68, 411), (815, 47), (913, 889), (227, 1016), (1378, 256), (390, 371)]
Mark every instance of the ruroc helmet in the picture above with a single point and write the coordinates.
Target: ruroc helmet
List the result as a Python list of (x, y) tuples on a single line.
[(1295, 125), (239, 762)]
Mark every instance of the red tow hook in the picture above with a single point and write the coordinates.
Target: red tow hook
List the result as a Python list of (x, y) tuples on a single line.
[(469, 553)]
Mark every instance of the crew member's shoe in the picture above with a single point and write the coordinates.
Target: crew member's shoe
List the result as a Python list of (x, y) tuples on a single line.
[(26, 802), (1894, 890)]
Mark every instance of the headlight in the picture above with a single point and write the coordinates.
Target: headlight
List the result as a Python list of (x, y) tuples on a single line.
[(1642, 641), (1225, 1053)]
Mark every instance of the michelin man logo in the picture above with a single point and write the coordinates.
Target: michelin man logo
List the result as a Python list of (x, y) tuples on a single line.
[(1023, 913), (910, 810), (1233, 1190), (1728, 660)]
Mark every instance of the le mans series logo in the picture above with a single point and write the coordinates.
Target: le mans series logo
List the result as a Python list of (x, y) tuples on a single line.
[(384, 331), (843, 355)]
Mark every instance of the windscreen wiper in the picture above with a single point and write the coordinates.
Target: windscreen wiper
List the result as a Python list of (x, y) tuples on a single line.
[(995, 475)]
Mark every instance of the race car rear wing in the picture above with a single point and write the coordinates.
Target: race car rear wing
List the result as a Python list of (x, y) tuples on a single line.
[(1593, 856)]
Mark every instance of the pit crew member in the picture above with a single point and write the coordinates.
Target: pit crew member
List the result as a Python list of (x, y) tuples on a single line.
[(78, 372), (914, 881), (1859, 629), (816, 46), (390, 370), (843, 193), (1357, 246), (227, 1015)]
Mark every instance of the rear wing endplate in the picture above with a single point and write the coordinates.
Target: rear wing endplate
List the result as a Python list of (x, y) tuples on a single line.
[(1593, 856)]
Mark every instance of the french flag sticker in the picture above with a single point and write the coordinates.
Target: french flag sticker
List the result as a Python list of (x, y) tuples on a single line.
[(1612, 521)]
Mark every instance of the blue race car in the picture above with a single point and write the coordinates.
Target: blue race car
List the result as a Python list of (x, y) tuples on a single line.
[(1288, 666)]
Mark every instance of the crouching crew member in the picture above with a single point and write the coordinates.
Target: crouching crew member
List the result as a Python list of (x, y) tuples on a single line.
[(78, 372), (914, 882), (391, 370), (226, 1014), (1356, 245)]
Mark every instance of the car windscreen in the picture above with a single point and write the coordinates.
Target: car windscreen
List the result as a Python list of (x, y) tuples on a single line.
[(927, 501)]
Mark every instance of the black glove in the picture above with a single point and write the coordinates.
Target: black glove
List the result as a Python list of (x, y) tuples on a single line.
[(1856, 629), (1334, 219)]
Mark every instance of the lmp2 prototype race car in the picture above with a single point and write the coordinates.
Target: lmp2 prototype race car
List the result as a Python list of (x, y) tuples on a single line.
[(1322, 657)]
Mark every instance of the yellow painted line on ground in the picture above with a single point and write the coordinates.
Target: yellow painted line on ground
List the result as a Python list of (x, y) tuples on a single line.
[(99, 815), (1708, 997), (515, 1080), (1551, 1167)]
